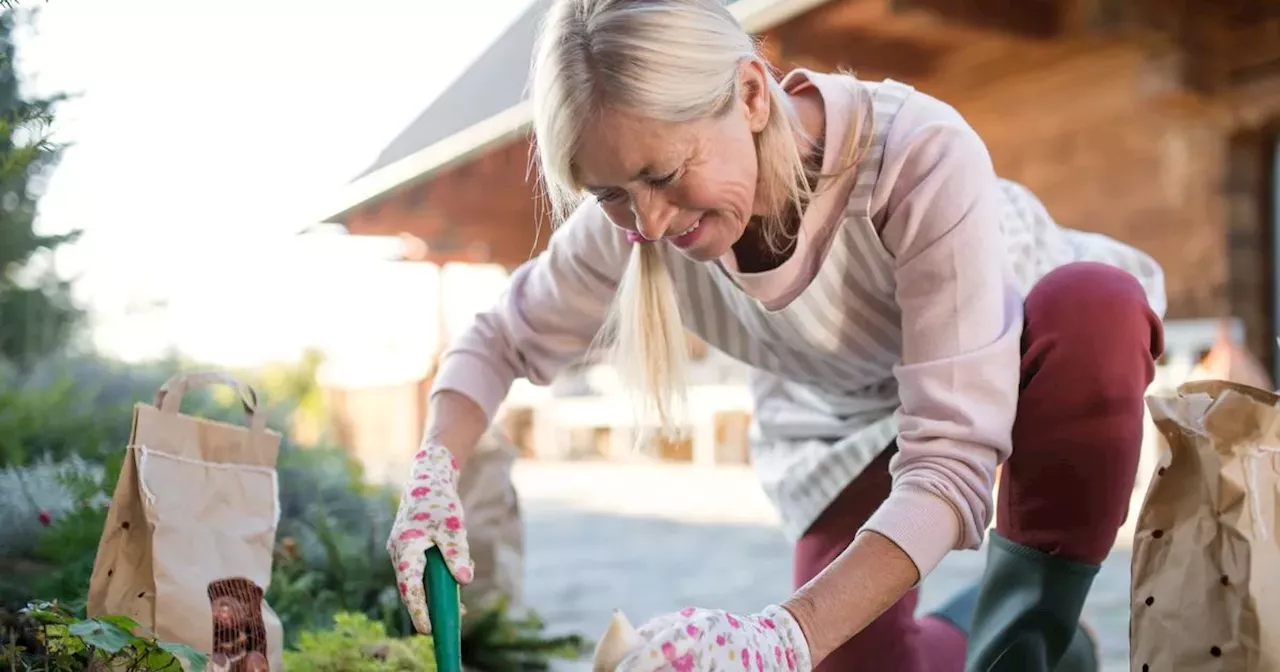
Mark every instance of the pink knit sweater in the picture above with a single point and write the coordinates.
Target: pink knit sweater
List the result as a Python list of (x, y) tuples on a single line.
[(936, 206)]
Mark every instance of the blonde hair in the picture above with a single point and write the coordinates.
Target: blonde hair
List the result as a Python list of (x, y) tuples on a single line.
[(672, 61)]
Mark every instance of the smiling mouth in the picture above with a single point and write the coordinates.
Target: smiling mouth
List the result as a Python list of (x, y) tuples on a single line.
[(689, 230)]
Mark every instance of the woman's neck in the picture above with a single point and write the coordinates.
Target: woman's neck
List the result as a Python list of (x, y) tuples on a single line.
[(753, 252)]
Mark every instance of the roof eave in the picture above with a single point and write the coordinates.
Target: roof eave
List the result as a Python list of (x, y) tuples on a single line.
[(754, 16), (420, 165)]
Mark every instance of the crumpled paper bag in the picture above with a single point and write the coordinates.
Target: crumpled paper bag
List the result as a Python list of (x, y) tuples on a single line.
[(1206, 555)]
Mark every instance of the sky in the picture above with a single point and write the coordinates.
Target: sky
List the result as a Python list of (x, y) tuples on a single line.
[(206, 135)]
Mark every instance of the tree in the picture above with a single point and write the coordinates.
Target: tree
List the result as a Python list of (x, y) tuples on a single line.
[(37, 313)]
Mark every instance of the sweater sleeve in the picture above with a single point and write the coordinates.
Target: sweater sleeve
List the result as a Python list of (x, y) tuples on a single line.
[(548, 317), (961, 328)]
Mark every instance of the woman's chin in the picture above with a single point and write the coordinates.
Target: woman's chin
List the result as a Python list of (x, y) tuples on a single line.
[(708, 246), (701, 253)]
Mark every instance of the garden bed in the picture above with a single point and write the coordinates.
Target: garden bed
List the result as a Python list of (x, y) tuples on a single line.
[(332, 584)]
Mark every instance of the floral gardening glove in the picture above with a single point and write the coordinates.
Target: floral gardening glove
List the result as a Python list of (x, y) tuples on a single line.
[(430, 515), (702, 640)]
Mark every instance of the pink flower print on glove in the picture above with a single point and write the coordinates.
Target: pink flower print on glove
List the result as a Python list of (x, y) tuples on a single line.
[(430, 515), (702, 640)]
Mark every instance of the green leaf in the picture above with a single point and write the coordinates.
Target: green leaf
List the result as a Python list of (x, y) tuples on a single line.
[(103, 635), (195, 659), (163, 660), (46, 612), (45, 617), (126, 623), (58, 639)]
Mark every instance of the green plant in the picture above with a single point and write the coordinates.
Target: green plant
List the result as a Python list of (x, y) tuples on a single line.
[(331, 564), (346, 571), (331, 554), (358, 644), (45, 636), (332, 559), (83, 406), (59, 565), (496, 641), (54, 422), (34, 496)]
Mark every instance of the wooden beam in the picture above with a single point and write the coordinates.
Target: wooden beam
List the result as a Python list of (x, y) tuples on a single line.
[(865, 36), (1037, 19), (1220, 44), (860, 49), (1255, 45), (887, 38)]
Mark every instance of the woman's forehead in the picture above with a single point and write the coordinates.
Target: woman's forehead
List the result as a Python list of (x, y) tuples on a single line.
[(617, 148)]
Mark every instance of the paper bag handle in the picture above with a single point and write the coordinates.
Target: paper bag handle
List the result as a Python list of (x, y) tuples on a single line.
[(169, 397)]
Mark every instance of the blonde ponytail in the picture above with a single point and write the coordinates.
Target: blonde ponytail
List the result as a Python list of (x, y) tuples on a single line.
[(650, 351)]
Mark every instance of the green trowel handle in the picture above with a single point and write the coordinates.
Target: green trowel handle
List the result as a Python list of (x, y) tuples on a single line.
[(442, 609)]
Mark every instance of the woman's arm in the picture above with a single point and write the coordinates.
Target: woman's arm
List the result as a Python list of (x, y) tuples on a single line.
[(547, 318), (455, 422), (860, 584), (958, 379)]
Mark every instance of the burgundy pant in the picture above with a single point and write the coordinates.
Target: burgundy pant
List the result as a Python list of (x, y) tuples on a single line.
[(1089, 346)]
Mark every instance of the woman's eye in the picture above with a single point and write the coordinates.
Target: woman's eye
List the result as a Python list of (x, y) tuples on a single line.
[(665, 179), (611, 196)]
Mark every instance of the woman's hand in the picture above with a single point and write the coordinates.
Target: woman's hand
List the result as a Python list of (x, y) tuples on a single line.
[(692, 640), (430, 515)]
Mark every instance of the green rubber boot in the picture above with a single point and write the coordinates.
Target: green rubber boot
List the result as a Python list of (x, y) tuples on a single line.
[(1024, 616)]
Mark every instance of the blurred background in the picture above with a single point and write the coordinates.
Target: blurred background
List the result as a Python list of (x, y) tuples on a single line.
[(318, 195)]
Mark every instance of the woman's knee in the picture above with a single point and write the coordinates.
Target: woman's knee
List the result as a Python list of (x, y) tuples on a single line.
[(1094, 321), (1090, 344)]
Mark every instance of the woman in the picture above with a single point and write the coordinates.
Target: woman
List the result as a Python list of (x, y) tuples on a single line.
[(911, 320)]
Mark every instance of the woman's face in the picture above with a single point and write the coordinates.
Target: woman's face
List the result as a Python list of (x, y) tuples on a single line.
[(690, 184)]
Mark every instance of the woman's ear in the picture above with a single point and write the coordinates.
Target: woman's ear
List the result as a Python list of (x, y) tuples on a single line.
[(753, 85)]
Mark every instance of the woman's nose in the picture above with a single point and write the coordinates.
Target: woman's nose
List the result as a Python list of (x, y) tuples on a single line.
[(653, 215)]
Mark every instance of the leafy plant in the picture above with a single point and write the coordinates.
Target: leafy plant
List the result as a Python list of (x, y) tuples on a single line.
[(46, 637), (497, 641), (54, 422), (358, 644), (65, 407), (59, 565), (331, 571), (332, 559), (348, 574), (331, 556), (34, 496)]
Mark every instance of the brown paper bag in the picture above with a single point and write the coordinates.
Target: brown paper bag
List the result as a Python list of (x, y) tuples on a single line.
[(1206, 554), (188, 542), (495, 529)]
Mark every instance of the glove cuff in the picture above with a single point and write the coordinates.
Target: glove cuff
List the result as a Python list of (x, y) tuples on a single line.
[(790, 633), (436, 454), (436, 461)]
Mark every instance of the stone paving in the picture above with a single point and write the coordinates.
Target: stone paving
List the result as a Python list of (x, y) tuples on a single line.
[(654, 538)]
